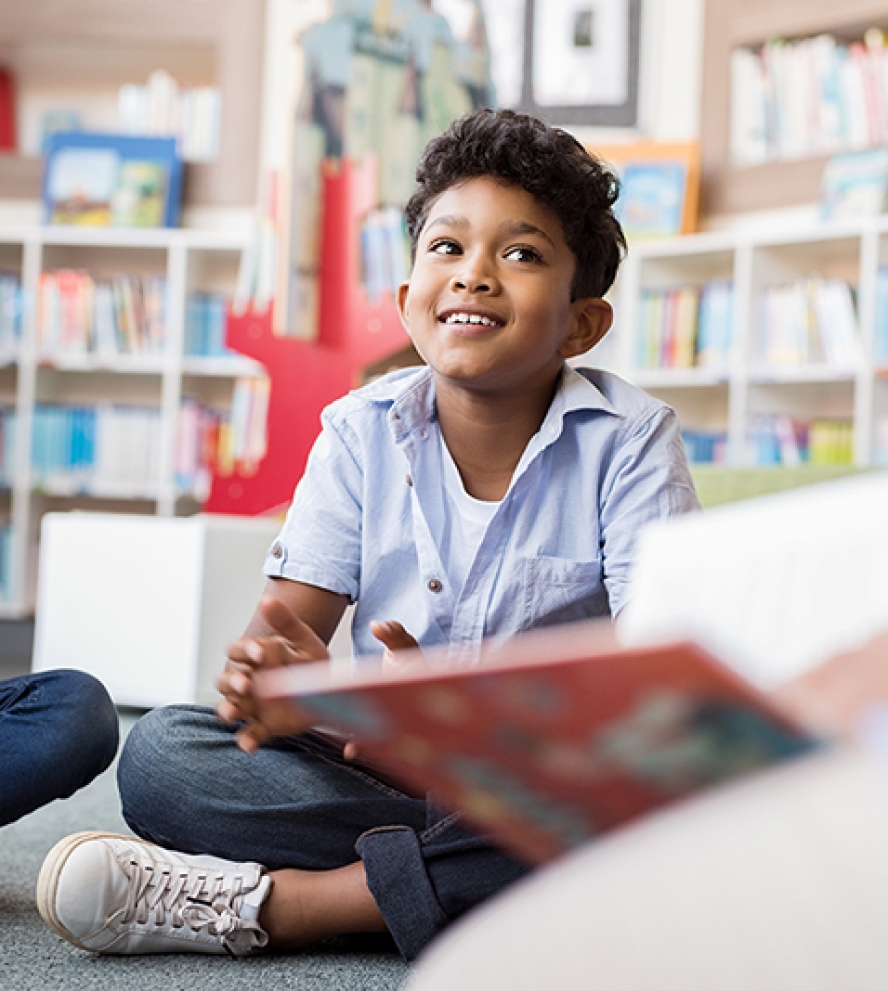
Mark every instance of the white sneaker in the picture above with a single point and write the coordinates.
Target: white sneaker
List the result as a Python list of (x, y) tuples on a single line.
[(119, 894)]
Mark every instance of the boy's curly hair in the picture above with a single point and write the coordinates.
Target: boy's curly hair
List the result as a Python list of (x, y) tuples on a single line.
[(548, 163)]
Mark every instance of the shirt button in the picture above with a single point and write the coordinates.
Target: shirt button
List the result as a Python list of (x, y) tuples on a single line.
[(434, 585), (409, 480), (277, 550)]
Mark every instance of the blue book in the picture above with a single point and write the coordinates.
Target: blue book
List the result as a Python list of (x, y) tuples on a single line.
[(880, 338), (115, 180), (652, 198)]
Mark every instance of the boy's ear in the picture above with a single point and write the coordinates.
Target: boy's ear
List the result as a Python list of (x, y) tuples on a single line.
[(401, 298), (590, 320)]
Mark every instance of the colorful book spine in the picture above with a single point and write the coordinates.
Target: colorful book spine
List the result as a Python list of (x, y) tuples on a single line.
[(96, 450), (790, 441), (206, 315), (685, 326), (80, 315), (809, 321)]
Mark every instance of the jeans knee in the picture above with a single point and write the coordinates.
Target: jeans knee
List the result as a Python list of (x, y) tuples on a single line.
[(91, 731), (155, 760)]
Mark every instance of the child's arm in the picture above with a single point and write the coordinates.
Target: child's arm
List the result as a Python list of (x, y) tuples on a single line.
[(291, 625)]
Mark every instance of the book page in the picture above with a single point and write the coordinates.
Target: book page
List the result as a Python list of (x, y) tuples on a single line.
[(774, 585)]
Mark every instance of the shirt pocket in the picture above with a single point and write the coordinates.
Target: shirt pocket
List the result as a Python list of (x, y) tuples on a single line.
[(560, 590)]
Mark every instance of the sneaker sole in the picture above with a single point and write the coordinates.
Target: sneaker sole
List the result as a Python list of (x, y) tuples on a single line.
[(47, 880)]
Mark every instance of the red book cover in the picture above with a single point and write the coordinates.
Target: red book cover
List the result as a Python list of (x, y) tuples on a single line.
[(7, 112), (553, 737)]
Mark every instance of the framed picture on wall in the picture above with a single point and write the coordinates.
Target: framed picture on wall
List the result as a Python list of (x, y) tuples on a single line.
[(576, 63)]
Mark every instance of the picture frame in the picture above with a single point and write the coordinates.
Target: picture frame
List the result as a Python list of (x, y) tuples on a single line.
[(580, 63), (111, 180), (660, 194)]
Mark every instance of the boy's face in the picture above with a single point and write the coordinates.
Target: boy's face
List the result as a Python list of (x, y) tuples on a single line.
[(488, 303)]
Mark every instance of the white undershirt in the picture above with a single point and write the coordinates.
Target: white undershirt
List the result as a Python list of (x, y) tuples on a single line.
[(468, 519)]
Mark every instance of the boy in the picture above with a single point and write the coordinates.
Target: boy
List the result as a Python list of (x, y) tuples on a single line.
[(493, 491)]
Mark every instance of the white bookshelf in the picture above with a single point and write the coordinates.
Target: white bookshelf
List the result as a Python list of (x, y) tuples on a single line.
[(729, 398), (190, 260)]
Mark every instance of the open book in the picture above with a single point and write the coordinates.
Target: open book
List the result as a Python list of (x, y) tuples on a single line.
[(555, 736)]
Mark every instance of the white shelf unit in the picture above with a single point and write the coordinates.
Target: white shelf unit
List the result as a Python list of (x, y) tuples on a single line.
[(728, 399), (190, 260)]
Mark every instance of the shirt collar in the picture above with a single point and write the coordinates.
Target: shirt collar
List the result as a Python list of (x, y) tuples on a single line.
[(410, 393)]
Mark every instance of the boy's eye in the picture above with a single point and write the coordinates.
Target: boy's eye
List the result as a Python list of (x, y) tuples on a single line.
[(523, 254), (444, 246)]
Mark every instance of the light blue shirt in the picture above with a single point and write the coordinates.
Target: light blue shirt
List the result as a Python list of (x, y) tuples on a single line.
[(369, 518)]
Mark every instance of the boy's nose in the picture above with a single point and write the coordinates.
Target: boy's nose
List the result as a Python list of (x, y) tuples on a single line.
[(474, 277), (469, 284)]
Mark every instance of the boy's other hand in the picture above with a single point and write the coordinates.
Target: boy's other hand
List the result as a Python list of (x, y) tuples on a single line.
[(290, 641), (839, 695), (392, 635)]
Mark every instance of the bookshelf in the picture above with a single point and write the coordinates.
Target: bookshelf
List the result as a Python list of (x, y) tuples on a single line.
[(729, 24), (748, 396), (105, 431), (78, 53)]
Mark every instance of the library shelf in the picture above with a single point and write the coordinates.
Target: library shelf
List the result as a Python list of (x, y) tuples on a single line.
[(742, 387), (133, 403)]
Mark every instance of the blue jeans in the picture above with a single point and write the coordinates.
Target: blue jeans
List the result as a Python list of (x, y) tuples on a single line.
[(58, 731), (297, 803)]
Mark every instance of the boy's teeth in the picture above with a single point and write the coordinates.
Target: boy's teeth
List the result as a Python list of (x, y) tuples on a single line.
[(470, 318)]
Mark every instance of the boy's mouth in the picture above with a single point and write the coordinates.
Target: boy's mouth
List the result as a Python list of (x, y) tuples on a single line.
[(474, 318)]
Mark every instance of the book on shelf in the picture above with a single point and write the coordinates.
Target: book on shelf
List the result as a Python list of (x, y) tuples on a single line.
[(660, 186), (778, 439), (880, 335), (553, 737), (804, 97), (715, 323), (651, 201), (685, 326), (206, 318), (855, 184), (163, 106), (10, 315), (812, 320), (79, 315), (101, 449), (103, 180), (8, 422), (8, 117), (705, 446)]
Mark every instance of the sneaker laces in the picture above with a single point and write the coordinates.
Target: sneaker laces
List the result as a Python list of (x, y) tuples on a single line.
[(171, 895)]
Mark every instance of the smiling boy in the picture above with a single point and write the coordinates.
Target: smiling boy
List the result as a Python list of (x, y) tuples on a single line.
[(495, 490)]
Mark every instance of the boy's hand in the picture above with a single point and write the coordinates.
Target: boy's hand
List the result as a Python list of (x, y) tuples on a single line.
[(837, 696), (291, 641), (395, 639)]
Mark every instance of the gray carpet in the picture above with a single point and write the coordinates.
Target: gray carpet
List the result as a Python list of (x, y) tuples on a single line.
[(32, 958)]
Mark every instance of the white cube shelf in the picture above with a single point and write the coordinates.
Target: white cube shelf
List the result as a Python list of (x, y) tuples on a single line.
[(147, 604)]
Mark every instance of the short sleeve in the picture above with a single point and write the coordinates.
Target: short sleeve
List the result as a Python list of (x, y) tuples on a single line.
[(648, 479), (320, 541)]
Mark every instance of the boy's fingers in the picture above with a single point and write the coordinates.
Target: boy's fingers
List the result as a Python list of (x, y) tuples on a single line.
[(392, 635), (299, 635)]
